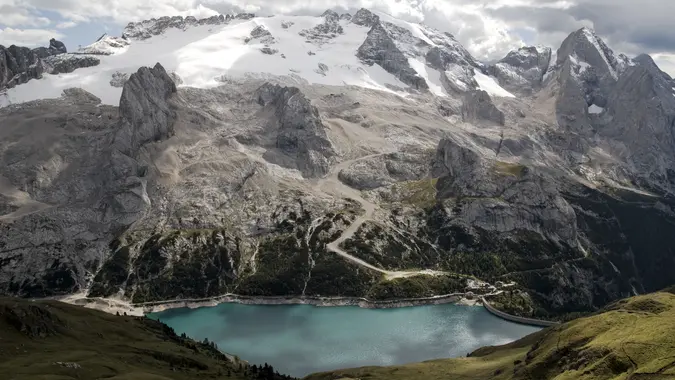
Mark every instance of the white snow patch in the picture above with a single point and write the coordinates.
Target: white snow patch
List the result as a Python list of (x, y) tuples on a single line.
[(431, 76), (594, 109), (552, 63), (583, 65), (490, 85), (413, 28), (202, 54), (457, 73), (106, 45)]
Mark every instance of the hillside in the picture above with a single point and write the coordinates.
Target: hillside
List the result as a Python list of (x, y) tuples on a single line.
[(631, 339), (54, 340)]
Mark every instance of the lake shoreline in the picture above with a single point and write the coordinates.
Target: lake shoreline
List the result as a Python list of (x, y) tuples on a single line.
[(117, 305)]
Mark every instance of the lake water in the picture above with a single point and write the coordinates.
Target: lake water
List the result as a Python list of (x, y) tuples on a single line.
[(302, 339)]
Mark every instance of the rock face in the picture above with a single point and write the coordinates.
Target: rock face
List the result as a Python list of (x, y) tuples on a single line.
[(379, 48), (145, 29), (261, 35), (80, 96), (119, 79), (67, 63), (505, 197), (523, 70), (641, 111), (74, 218), (301, 134), (145, 114), (55, 47), (18, 64), (477, 106), (325, 31), (364, 17), (105, 45)]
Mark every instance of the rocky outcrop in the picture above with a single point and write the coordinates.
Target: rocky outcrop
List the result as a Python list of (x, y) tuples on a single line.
[(523, 70), (503, 196), (364, 17), (325, 31), (145, 113), (67, 63), (388, 169), (118, 79), (80, 96), (379, 48), (477, 106), (300, 133), (19, 64), (105, 45), (260, 34), (147, 28), (85, 181), (55, 47)]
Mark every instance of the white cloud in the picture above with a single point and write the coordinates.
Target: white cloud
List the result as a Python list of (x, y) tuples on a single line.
[(27, 37), (15, 14), (666, 62), (66, 25)]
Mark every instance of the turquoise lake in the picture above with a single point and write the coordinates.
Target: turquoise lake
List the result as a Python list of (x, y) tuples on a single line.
[(301, 339)]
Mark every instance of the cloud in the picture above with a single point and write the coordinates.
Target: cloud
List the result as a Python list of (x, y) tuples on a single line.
[(666, 62), (27, 37), (16, 14), (66, 25)]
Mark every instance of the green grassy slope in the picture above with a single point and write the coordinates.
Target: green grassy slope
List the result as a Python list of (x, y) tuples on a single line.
[(632, 339), (53, 340)]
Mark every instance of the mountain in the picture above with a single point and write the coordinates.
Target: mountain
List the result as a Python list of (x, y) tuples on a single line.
[(339, 155), (371, 50), (19, 64), (630, 339), (49, 339)]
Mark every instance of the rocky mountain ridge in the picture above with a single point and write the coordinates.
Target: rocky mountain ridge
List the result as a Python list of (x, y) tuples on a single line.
[(280, 185)]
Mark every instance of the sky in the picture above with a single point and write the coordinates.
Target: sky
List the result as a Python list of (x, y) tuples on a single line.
[(487, 28)]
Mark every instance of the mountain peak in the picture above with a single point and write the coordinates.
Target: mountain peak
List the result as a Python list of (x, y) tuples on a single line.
[(585, 48), (365, 17)]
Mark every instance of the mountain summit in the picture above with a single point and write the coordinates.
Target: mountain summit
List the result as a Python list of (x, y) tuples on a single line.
[(336, 155)]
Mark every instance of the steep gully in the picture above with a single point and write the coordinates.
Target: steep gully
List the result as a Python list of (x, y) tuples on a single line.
[(332, 185)]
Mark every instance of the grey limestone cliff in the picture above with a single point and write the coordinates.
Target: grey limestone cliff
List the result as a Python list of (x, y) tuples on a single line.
[(364, 17), (379, 48), (19, 64), (300, 133), (64, 203), (477, 106), (523, 70)]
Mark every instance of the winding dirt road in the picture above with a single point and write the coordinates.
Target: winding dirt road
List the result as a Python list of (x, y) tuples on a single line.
[(332, 185)]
